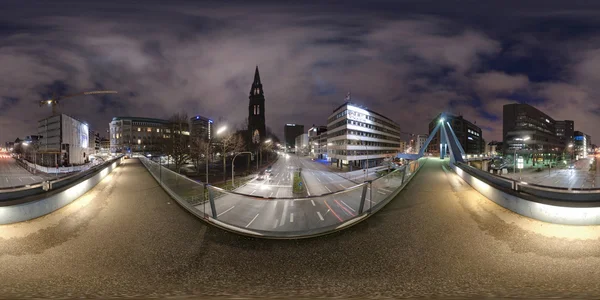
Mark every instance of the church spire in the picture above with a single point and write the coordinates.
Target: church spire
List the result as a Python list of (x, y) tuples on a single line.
[(256, 88)]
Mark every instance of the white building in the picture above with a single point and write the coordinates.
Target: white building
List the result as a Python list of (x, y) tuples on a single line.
[(317, 142), (421, 139), (64, 142), (356, 135)]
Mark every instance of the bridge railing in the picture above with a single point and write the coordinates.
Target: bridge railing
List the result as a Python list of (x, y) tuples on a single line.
[(293, 217)]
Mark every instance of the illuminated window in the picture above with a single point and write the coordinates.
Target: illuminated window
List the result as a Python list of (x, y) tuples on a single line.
[(139, 129), (157, 130), (149, 129), (139, 141)]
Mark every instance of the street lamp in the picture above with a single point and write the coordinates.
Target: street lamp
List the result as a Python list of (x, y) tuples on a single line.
[(219, 131), (571, 146), (515, 156), (260, 152)]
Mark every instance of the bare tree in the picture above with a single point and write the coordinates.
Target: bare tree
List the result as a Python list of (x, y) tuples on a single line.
[(231, 142), (199, 150), (177, 146)]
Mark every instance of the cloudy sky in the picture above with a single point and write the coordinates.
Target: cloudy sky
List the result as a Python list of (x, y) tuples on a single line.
[(409, 60)]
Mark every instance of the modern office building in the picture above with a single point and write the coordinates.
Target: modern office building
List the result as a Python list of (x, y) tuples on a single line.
[(358, 135), (528, 131), (301, 144), (468, 134), (201, 127), (565, 130), (64, 141), (317, 141), (290, 132), (582, 144), (420, 142), (143, 135)]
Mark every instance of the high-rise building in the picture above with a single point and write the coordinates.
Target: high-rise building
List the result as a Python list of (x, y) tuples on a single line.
[(527, 130), (468, 134), (359, 135), (256, 112), (420, 142), (317, 141), (582, 144), (301, 144), (565, 130), (290, 132), (201, 127)]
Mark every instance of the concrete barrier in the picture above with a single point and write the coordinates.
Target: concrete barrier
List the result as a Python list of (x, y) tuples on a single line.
[(46, 203), (547, 210)]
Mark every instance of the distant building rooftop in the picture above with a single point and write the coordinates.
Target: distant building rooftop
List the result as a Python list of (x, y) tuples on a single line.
[(138, 119)]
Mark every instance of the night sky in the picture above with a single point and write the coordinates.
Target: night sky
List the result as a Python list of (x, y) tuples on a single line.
[(409, 60)]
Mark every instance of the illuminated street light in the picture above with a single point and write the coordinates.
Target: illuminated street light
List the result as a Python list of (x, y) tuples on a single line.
[(267, 141), (222, 129)]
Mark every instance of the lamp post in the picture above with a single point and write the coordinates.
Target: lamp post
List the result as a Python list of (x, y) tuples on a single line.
[(515, 156), (571, 146), (219, 132)]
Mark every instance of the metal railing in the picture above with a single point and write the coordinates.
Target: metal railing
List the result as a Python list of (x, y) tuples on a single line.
[(291, 217), (536, 190)]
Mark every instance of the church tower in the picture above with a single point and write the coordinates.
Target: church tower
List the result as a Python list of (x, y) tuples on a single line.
[(256, 112)]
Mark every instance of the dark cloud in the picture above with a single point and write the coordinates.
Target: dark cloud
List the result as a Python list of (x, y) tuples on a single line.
[(406, 59)]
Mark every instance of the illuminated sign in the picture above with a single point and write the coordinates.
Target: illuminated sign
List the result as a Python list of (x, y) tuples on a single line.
[(579, 138), (290, 125), (520, 163)]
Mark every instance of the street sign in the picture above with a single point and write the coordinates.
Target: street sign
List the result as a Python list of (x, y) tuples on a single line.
[(300, 183), (520, 163)]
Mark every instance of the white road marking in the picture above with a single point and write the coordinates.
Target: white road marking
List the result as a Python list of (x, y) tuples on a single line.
[(385, 190), (291, 217), (275, 224), (225, 211), (284, 213), (327, 188), (308, 192), (277, 195), (253, 192), (32, 178), (271, 195), (348, 206), (313, 202), (320, 217), (20, 179), (341, 185), (252, 220), (328, 210), (318, 179), (381, 192)]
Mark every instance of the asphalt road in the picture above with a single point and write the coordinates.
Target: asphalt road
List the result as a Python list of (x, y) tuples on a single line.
[(11, 174), (300, 215), (438, 238), (580, 177)]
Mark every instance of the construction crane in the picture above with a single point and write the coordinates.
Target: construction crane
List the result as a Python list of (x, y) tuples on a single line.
[(55, 100)]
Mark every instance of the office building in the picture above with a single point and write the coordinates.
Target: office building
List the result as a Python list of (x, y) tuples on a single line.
[(201, 127), (358, 135), (317, 142), (420, 142), (582, 144), (290, 132), (468, 134), (301, 144), (528, 131), (402, 147), (143, 135), (565, 131), (64, 141)]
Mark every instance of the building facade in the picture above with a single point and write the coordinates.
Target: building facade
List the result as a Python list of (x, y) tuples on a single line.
[(360, 137), (301, 144), (201, 128), (582, 144), (468, 134), (565, 130), (317, 142), (64, 141), (528, 131), (290, 132), (256, 113), (402, 147), (420, 142), (143, 135)]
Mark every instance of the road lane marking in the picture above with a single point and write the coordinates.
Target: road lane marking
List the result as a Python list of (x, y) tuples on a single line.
[(347, 205), (225, 211), (271, 195), (32, 178), (320, 217), (313, 202), (385, 190), (381, 192), (275, 224), (327, 188), (343, 208), (284, 213), (252, 220), (277, 195), (291, 217), (342, 185), (332, 211), (20, 179), (308, 192), (318, 179), (253, 192)]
